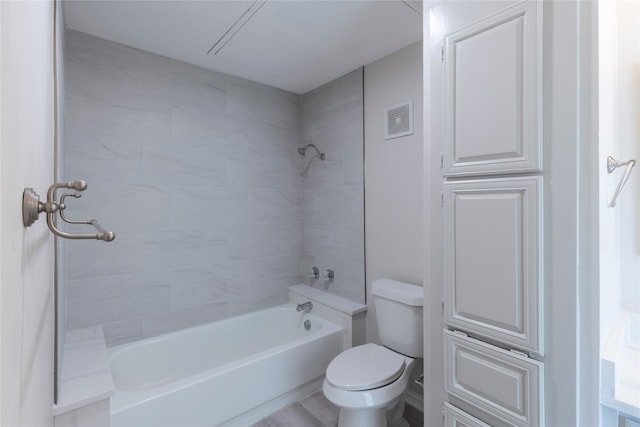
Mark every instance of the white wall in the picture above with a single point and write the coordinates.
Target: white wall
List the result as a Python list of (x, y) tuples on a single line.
[(26, 254), (609, 228), (619, 245), (619, 137), (629, 147), (393, 175)]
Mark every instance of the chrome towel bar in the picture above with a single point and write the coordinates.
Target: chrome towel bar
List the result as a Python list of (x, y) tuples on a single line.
[(613, 164), (32, 207)]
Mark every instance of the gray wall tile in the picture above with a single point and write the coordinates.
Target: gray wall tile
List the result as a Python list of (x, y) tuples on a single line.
[(197, 173), (254, 241), (170, 321), (122, 332), (274, 274), (274, 207), (201, 205), (333, 190), (86, 260), (208, 283), (182, 164), (256, 301), (192, 170), (166, 249)]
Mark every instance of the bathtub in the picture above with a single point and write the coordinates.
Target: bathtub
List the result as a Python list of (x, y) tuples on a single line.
[(210, 374)]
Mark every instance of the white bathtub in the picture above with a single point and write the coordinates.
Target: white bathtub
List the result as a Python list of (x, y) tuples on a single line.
[(212, 373)]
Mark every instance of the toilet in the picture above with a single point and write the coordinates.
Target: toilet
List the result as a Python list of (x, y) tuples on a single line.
[(367, 382)]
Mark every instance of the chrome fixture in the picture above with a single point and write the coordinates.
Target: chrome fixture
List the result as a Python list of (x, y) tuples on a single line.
[(305, 306), (329, 275), (613, 164), (303, 150), (420, 381), (307, 324), (32, 207), (315, 273)]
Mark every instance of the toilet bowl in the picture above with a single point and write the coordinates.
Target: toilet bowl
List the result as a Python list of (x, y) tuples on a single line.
[(367, 382)]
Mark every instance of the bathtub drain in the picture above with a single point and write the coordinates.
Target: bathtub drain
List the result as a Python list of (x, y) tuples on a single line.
[(307, 324)]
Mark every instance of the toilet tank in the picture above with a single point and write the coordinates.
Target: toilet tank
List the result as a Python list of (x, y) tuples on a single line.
[(398, 308)]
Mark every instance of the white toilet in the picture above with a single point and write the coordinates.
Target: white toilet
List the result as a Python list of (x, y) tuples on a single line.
[(366, 382)]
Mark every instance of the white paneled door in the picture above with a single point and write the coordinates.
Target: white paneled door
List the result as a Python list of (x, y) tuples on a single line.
[(506, 384), (492, 200), (492, 259), (455, 417), (493, 94), (509, 237)]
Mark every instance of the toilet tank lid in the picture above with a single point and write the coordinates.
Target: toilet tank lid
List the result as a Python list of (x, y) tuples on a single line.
[(398, 291)]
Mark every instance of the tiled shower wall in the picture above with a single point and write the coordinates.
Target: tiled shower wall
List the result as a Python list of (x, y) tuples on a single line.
[(333, 190), (197, 173)]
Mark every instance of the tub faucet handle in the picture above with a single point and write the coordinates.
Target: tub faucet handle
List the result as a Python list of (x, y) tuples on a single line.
[(314, 273), (329, 275), (305, 306)]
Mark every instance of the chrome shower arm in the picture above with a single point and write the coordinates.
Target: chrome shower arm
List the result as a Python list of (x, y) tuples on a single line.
[(322, 156), (303, 151)]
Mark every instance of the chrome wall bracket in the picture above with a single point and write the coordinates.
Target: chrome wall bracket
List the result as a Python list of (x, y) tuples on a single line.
[(613, 164), (32, 207)]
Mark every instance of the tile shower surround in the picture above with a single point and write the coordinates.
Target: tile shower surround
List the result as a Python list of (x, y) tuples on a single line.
[(197, 173), (333, 191)]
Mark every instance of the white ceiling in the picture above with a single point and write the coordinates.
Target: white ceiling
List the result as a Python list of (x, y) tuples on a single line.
[(294, 45)]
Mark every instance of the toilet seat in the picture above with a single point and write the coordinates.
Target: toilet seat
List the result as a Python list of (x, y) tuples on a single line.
[(365, 367)]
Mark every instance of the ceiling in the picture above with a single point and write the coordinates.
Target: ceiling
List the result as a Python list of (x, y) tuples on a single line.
[(293, 45)]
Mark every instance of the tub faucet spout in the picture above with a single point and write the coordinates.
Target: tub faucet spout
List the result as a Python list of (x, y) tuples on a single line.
[(306, 307)]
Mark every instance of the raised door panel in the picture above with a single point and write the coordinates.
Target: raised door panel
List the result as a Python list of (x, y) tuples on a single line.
[(493, 282), (506, 385), (456, 417), (493, 94)]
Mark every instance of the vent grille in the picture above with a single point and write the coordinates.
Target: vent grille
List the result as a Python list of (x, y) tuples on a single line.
[(398, 120)]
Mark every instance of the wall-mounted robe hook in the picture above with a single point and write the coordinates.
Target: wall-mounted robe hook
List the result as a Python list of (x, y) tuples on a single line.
[(613, 164), (32, 206)]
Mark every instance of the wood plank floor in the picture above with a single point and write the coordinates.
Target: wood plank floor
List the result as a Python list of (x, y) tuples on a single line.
[(316, 411)]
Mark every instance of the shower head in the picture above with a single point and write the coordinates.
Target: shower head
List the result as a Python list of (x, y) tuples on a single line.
[(303, 150)]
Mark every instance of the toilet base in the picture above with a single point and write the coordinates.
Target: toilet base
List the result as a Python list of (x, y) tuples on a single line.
[(362, 417), (391, 416), (394, 415)]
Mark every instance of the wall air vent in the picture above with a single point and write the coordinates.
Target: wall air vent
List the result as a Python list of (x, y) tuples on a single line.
[(398, 120)]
